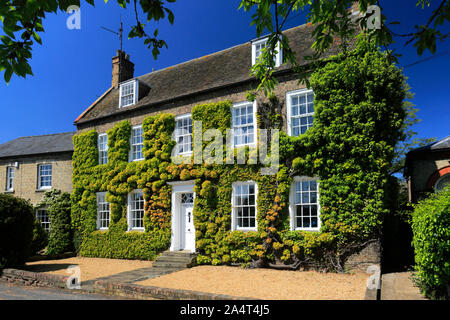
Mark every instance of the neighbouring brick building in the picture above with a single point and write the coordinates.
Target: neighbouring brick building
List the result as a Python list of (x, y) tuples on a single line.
[(428, 169), (29, 166)]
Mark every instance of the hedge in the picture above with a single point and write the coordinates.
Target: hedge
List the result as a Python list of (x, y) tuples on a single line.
[(431, 241)]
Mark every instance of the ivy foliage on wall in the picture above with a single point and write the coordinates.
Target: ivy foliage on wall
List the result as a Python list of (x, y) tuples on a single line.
[(58, 205), (358, 121)]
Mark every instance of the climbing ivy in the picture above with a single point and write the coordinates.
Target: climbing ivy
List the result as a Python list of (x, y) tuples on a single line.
[(58, 204), (358, 121)]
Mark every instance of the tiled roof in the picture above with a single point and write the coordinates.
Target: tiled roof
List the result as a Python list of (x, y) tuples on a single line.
[(33, 145), (223, 68), (442, 144)]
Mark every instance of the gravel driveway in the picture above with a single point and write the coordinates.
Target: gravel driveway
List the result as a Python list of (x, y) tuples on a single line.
[(266, 283)]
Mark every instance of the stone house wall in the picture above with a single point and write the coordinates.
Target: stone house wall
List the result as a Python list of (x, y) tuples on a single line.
[(235, 94), (26, 175)]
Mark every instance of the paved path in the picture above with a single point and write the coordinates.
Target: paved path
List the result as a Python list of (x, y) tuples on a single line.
[(129, 276), (399, 286), (14, 292)]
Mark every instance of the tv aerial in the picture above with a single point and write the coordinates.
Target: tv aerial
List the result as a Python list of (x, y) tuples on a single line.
[(119, 33)]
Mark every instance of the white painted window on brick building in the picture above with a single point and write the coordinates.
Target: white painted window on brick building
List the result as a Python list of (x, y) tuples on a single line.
[(136, 210), (244, 123), (128, 93), (304, 204), (9, 179), (43, 218), (44, 176), (300, 111), (137, 144), (259, 45), (103, 211), (103, 148), (183, 134), (244, 196)]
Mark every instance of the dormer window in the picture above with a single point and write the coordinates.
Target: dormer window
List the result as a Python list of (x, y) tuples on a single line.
[(259, 45), (128, 93)]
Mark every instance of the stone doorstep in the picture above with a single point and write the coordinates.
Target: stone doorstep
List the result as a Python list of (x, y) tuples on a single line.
[(36, 279)]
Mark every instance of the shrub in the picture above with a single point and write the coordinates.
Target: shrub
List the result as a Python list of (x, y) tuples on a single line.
[(58, 207), (16, 230), (431, 241), (40, 238)]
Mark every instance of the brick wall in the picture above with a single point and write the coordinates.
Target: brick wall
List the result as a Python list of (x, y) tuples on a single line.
[(235, 94), (422, 167), (26, 175), (369, 255)]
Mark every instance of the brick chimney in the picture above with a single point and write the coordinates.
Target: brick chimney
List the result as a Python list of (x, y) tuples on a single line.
[(122, 68)]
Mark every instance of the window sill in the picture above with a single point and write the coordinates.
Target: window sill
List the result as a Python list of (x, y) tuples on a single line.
[(246, 229), (43, 189), (184, 155), (252, 145), (307, 229), (8, 191), (136, 229), (131, 104)]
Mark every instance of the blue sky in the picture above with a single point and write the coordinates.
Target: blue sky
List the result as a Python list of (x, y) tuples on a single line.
[(73, 67)]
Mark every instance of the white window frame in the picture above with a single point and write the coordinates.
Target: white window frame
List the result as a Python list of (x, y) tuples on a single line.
[(178, 135), (38, 216), (100, 197), (129, 211), (131, 154), (292, 204), (289, 96), (255, 124), (41, 187), (233, 207), (10, 173), (100, 158), (135, 93), (278, 57)]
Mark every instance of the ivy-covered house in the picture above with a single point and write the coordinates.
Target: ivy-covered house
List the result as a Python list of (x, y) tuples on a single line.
[(139, 188)]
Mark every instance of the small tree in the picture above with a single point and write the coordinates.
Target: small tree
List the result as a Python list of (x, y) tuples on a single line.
[(40, 238), (16, 230), (58, 207), (431, 228)]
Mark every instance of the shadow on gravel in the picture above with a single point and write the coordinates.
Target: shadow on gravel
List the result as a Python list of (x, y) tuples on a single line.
[(46, 267)]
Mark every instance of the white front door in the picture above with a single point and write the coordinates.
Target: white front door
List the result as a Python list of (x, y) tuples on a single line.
[(187, 230)]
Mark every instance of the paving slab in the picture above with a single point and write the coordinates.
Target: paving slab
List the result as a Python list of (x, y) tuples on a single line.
[(399, 286)]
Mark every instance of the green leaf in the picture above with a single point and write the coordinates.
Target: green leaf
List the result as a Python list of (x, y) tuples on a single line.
[(8, 74), (37, 37)]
